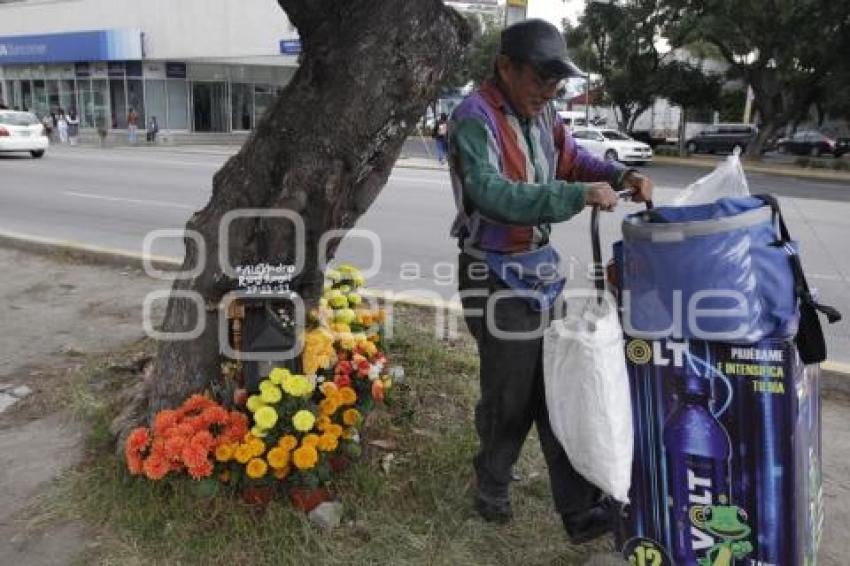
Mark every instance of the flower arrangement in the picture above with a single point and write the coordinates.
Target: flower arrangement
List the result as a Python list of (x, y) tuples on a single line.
[(184, 439), (296, 430)]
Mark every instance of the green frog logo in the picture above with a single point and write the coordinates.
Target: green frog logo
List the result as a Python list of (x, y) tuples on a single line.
[(728, 524)]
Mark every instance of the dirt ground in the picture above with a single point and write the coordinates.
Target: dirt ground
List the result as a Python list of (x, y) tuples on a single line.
[(56, 312)]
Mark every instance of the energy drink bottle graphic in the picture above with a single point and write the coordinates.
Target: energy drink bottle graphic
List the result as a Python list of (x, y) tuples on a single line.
[(697, 452)]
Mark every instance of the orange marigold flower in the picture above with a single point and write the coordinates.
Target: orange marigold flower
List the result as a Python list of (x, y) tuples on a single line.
[(155, 468), (347, 396), (195, 403), (258, 447), (215, 415), (164, 420), (327, 407), (305, 457), (323, 422), (202, 470), (278, 457), (194, 456), (310, 440), (334, 429), (174, 448), (288, 442), (134, 463), (138, 439), (378, 390), (328, 388), (327, 443), (281, 473), (351, 417), (204, 438), (186, 429), (256, 468)]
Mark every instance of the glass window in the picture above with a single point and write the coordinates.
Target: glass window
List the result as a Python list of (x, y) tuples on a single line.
[(614, 135), (100, 100), (118, 98), (26, 95), (39, 97), (67, 96), (136, 99), (86, 103), (263, 97), (178, 105), (156, 101), (243, 106), (53, 100)]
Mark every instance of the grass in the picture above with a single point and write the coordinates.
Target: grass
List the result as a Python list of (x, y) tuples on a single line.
[(417, 512)]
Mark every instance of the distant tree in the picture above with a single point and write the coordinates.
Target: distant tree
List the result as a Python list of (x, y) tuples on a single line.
[(686, 85), (477, 60), (785, 50), (618, 42)]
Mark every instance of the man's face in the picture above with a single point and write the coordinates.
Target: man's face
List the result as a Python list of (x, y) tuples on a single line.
[(527, 88)]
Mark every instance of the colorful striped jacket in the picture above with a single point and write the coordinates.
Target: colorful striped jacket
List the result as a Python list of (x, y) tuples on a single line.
[(512, 176)]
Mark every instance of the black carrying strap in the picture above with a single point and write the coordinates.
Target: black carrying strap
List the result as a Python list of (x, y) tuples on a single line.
[(801, 286)]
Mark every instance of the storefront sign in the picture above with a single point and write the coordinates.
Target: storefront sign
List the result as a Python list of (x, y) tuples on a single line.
[(175, 70), (82, 70), (102, 45), (290, 46)]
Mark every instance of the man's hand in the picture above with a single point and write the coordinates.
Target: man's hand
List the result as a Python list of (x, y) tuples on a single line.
[(601, 195), (640, 185)]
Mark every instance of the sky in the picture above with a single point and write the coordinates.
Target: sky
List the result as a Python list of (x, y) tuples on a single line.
[(555, 10)]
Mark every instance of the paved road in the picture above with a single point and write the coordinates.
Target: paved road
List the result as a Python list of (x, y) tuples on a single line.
[(115, 197)]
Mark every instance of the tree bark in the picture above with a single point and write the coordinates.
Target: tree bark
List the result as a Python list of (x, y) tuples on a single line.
[(324, 151)]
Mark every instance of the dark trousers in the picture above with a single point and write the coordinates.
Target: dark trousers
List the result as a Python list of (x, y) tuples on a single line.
[(512, 392)]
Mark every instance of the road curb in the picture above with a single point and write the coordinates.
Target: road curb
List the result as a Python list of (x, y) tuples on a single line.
[(835, 376), (817, 175)]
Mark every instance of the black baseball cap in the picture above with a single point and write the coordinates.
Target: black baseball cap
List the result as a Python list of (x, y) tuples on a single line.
[(540, 43)]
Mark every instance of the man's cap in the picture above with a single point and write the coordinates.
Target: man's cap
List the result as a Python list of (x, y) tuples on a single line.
[(540, 43)]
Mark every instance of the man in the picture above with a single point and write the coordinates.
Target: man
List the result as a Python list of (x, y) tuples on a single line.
[(515, 169)]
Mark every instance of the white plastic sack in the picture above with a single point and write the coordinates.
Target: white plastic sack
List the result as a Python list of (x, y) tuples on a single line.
[(587, 394), (727, 180)]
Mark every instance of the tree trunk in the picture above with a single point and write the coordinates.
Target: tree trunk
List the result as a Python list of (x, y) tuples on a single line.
[(323, 151), (683, 126)]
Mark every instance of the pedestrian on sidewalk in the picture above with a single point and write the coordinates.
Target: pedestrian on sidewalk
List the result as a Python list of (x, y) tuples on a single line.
[(153, 130), (132, 126), (47, 123), (441, 137), (73, 128), (515, 169), (62, 127)]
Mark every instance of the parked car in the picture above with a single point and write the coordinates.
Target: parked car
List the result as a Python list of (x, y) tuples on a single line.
[(814, 144), (22, 131), (722, 138), (612, 145)]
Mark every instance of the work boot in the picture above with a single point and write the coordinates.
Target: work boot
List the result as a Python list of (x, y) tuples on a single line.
[(589, 524), (494, 511)]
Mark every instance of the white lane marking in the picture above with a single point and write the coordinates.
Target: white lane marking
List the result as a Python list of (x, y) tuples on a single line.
[(133, 201)]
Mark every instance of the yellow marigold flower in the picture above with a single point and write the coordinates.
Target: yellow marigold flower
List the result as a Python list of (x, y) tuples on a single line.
[(305, 457), (243, 453), (303, 420), (346, 341), (364, 318), (271, 394), (278, 457), (281, 473), (258, 447), (340, 328), (374, 338), (254, 402), (277, 374), (347, 396), (288, 442), (327, 443), (368, 348), (351, 417), (334, 429), (258, 432), (266, 417), (310, 440), (256, 468), (225, 452), (327, 407)]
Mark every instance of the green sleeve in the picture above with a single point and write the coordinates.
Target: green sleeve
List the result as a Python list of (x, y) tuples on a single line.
[(496, 197)]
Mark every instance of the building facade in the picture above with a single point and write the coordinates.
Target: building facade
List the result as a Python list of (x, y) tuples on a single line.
[(194, 65)]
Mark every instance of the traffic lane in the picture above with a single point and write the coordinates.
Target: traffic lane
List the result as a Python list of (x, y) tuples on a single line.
[(683, 175)]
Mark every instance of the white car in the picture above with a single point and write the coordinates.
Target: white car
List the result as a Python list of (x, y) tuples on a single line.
[(21, 131), (612, 145)]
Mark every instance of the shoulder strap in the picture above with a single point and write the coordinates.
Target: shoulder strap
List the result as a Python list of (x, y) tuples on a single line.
[(801, 286)]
